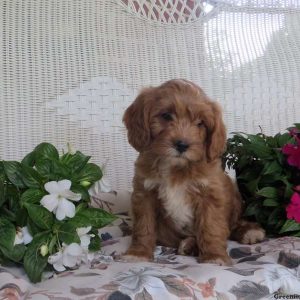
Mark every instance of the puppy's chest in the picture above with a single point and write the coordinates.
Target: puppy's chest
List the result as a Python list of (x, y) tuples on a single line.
[(176, 202)]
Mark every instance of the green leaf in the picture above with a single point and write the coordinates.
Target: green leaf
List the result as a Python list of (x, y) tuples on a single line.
[(90, 172), (75, 162), (34, 262), (29, 159), (59, 171), (260, 150), (290, 225), (2, 192), (275, 217), (7, 234), (272, 167), (31, 177), (2, 173), (98, 217), (288, 192), (21, 217), (252, 185), (256, 139), (16, 253), (80, 220), (270, 202), (33, 228), (78, 189), (268, 192), (32, 196), (251, 209), (95, 243), (46, 150), (283, 139), (272, 142), (67, 233), (44, 166), (52, 244), (13, 172), (40, 215)]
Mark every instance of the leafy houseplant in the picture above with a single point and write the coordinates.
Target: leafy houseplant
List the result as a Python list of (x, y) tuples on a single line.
[(268, 176), (45, 218)]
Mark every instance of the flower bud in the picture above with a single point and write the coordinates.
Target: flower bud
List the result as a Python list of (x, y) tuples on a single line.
[(44, 250), (85, 183)]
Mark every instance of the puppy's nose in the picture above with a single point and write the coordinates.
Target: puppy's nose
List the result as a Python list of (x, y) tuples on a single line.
[(181, 146)]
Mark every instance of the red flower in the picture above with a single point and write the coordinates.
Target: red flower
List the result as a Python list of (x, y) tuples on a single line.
[(293, 153), (293, 209)]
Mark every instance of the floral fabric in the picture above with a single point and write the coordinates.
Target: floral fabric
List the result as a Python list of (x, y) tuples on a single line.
[(258, 270)]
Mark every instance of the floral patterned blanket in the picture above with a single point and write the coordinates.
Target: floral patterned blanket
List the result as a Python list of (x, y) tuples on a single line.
[(260, 271)]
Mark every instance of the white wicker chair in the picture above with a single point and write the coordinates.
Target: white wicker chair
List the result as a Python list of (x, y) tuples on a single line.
[(70, 68)]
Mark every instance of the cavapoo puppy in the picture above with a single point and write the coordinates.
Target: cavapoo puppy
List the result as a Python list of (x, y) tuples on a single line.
[(182, 198)]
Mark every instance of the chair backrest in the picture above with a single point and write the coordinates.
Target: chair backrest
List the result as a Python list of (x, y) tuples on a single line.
[(70, 68)]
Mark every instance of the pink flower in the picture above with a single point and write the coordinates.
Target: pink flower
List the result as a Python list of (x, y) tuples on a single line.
[(293, 153), (293, 209)]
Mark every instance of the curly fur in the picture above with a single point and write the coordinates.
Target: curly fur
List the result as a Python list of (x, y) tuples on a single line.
[(182, 197)]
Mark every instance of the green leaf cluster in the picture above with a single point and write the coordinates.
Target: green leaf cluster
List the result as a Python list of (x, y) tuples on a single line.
[(264, 178), (21, 190)]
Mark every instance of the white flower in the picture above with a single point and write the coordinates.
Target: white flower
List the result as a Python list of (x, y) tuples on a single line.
[(57, 201), (71, 149), (85, 238), (69, 256), (102, 185), (22, 236)]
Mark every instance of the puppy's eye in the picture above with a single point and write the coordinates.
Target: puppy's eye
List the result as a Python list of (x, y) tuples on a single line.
[(200, 124), (167, 116)]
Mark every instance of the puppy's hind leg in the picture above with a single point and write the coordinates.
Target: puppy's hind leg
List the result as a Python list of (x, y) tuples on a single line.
[(247, 233)]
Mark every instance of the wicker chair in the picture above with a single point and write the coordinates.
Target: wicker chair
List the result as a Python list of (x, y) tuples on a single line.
[(70, 68)]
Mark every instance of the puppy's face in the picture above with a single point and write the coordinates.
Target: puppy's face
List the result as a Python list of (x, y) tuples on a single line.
[(176, 120)]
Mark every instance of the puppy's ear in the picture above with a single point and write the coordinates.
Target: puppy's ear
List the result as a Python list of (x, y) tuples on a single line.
[(216, 142), (136, 120)]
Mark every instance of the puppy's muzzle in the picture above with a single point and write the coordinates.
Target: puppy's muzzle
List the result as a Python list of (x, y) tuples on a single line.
[(181, 146)]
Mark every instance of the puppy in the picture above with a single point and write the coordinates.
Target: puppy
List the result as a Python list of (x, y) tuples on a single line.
[(182, 198)]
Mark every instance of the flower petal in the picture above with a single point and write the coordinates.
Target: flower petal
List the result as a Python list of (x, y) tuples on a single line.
[(85, 240), (73, 249), (70, 195), (50, 202), (59, 267), (64, 184), (18, 238), (104, 184), (52, 187), (83, 230), (55, 258), (27, 237), (70, 261), (65, 208)]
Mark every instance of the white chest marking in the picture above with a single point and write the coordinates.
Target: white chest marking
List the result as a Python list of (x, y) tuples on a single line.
[(174, 200)]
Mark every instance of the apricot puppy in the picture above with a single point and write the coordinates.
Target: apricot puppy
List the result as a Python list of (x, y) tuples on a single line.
[(182, 198)]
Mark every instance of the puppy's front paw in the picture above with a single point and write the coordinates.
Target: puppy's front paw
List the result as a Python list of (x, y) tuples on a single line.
[(136, 256), (221, 260)]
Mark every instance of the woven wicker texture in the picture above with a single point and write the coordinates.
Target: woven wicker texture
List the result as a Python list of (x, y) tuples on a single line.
[(70, 68)]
